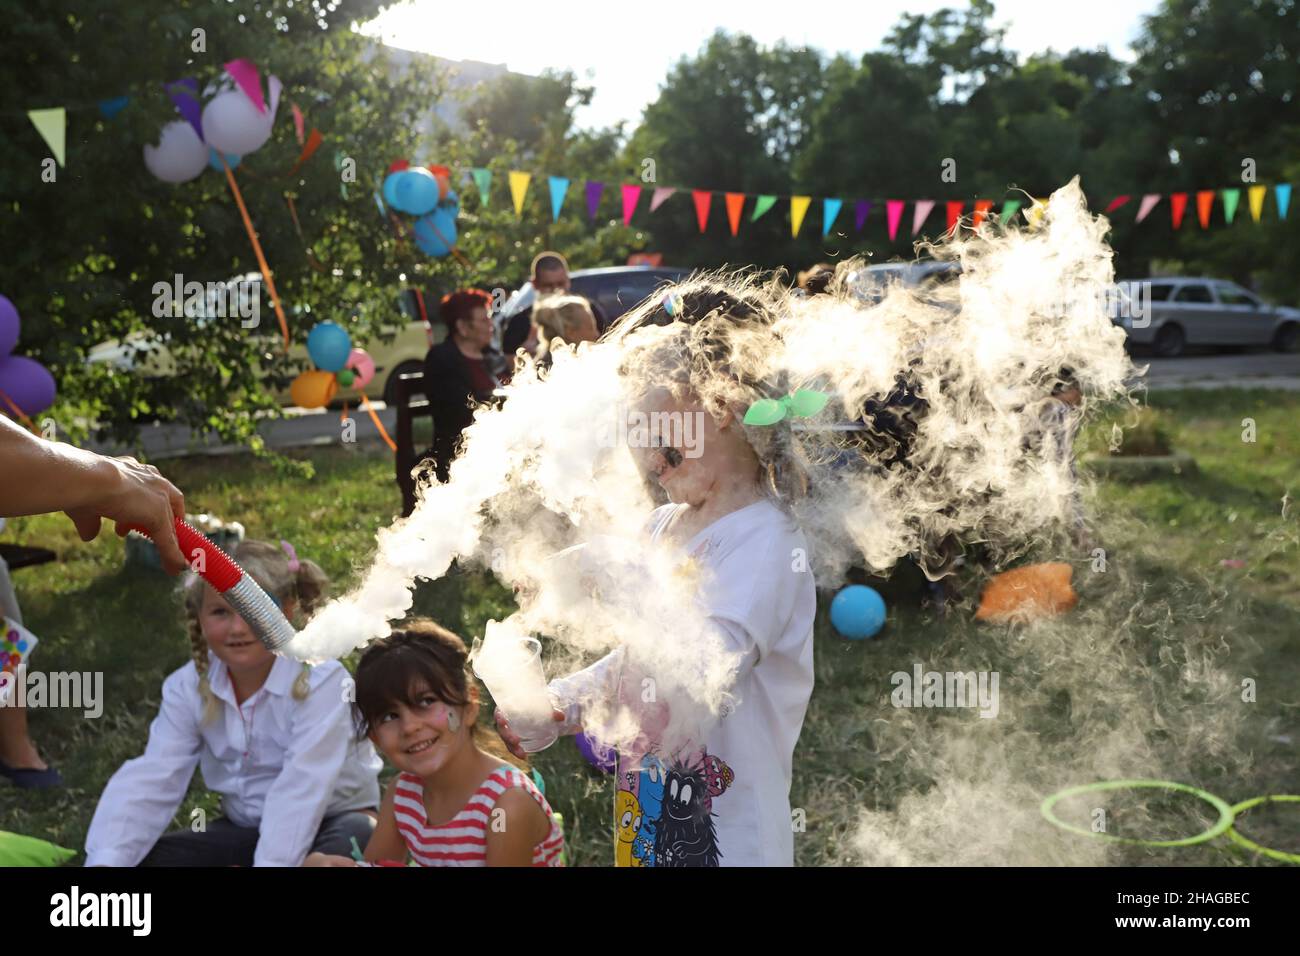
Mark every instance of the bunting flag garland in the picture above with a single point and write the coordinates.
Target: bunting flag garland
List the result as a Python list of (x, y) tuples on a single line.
[(483, 180), (761, 205), (661, 193), (894, 212), (1204, 206), (1255, 196), (954, 209), (735, 205), (1116, 203), (703, 200), (830, 209), (1009, 209), (52, 124), (1230, 199), (1148, 203), (982, 207), (861, 209), (518, 189), (298, 121), (920, 210), (559, 189), (109, 108), (1177, 206), (184, 95), (594, 191), (631, 196), (245, 75), (798, 209), (1282, 193)]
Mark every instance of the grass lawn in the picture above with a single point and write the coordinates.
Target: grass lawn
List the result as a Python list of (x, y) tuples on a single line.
[(1165, 540)]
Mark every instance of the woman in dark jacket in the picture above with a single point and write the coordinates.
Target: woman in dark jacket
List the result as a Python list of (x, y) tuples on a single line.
[(460, 372)]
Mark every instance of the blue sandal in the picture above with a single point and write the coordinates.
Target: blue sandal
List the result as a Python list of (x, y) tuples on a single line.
[(29, 778)]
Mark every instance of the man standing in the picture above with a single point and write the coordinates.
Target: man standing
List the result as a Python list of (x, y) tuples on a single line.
[(549, 275)]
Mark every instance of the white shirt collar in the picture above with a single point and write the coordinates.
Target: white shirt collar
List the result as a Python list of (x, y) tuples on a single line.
[(284, 672)]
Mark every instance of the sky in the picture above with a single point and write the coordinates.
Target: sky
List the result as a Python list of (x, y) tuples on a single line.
[(626, 57)]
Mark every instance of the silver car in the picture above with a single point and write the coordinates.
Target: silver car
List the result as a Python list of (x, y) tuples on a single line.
[(1169, 314)]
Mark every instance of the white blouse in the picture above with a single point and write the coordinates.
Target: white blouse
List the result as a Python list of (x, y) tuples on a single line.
[(281, 765)]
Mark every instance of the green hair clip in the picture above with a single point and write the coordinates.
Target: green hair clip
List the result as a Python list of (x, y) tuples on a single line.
[(801, 403)]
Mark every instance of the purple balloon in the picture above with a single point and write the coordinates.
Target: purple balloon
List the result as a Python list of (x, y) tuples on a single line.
[(8, 327), (28, 384), (599, 756)]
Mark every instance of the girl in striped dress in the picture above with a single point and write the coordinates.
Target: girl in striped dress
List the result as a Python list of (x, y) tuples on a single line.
[(455, 802)]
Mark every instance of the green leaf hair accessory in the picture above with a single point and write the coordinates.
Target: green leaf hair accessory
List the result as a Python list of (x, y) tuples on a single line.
[(801, 403)]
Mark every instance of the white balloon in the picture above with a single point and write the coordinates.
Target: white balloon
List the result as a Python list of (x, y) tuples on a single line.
[(179, 156), (232, 124)]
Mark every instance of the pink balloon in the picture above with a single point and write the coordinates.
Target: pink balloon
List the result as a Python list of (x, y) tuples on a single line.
[(27, 383), (359, 361)]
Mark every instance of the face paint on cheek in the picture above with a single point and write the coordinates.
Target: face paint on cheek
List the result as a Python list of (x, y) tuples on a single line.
[(453, 720)]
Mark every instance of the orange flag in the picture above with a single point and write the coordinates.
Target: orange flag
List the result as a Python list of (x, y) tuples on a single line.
[(735, 203), (1204, 205)]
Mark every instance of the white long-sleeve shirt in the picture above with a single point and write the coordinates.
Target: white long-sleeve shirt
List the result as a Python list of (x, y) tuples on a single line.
[(281, 765)]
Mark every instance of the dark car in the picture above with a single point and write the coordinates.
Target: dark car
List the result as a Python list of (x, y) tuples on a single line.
[(614, 291)]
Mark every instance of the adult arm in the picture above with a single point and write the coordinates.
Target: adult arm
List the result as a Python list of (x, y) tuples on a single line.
[(40, 476)]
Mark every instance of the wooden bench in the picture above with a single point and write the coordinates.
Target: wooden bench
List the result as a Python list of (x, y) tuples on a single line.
[(412, 402)]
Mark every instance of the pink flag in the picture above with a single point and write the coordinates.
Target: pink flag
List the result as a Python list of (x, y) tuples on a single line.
[(661, 193), (297, 121), (630, 196), (246, 75), (919, 211), (894, 212), (1148, 203)]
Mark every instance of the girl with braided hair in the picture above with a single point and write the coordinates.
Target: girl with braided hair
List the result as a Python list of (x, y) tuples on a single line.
[(270, 735)]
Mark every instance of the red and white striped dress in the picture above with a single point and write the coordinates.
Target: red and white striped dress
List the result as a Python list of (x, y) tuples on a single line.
[(462, 840)]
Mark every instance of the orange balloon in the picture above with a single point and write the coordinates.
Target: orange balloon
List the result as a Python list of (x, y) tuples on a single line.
[(313, 389), (1022, 594)]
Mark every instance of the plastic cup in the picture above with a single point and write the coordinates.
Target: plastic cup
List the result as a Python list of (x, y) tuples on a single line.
[(510, 666)]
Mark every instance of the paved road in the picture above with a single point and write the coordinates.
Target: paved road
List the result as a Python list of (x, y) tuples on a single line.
[(316, 427)]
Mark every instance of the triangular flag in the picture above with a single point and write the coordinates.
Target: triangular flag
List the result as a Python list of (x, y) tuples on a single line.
[(735, 205), (761, 205), (52, 124), (298, 122), (110, 108), (894, 213), (184, 95), (1117, 202), (920, 209), (1204, 206), (1255, 196), (594, 190), (982, 207), (631, 195), (830, 209), (1230, 199), (246, 76), (1148, 203), (798, 208), (483, 180), (1009, 209), (954, 208), (703, 200), (1035, 212), (861, 209), (518, 188), (559, 189), (661, 193), (1177, 206), (1282, 193)]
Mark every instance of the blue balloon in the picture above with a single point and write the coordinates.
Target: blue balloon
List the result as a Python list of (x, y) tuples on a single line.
[(416, 191), (390, 188), (858, 612), (435, 233), (214, 159), (329, 346)]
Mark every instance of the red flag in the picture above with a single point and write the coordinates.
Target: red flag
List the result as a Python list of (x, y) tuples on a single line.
[(1204, 205), (1177, 205), (735, 203), (954, 213), (703, 198), (1116, 203)]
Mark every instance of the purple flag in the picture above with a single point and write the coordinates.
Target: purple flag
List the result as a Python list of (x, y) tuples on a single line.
[(594, 189), (185, 95), (860, 210)]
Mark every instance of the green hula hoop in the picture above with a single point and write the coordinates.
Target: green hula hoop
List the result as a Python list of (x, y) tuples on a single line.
[(1255, 847), (1221, 826)]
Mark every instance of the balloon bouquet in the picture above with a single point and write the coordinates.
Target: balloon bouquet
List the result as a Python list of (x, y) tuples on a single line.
[(337, 364), (425, 192), (26, 386)]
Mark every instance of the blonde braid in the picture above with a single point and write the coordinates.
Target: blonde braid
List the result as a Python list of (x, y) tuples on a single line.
[(199, 652)]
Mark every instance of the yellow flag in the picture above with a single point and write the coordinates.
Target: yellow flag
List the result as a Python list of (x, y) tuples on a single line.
[(1256, 196), (1035, 212), (518, 187), (52, 125), (798, 208)]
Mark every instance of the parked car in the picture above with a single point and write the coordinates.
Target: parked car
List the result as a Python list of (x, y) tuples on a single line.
[(1198, 311), (615, 290), (147, 355), (871, 283)]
